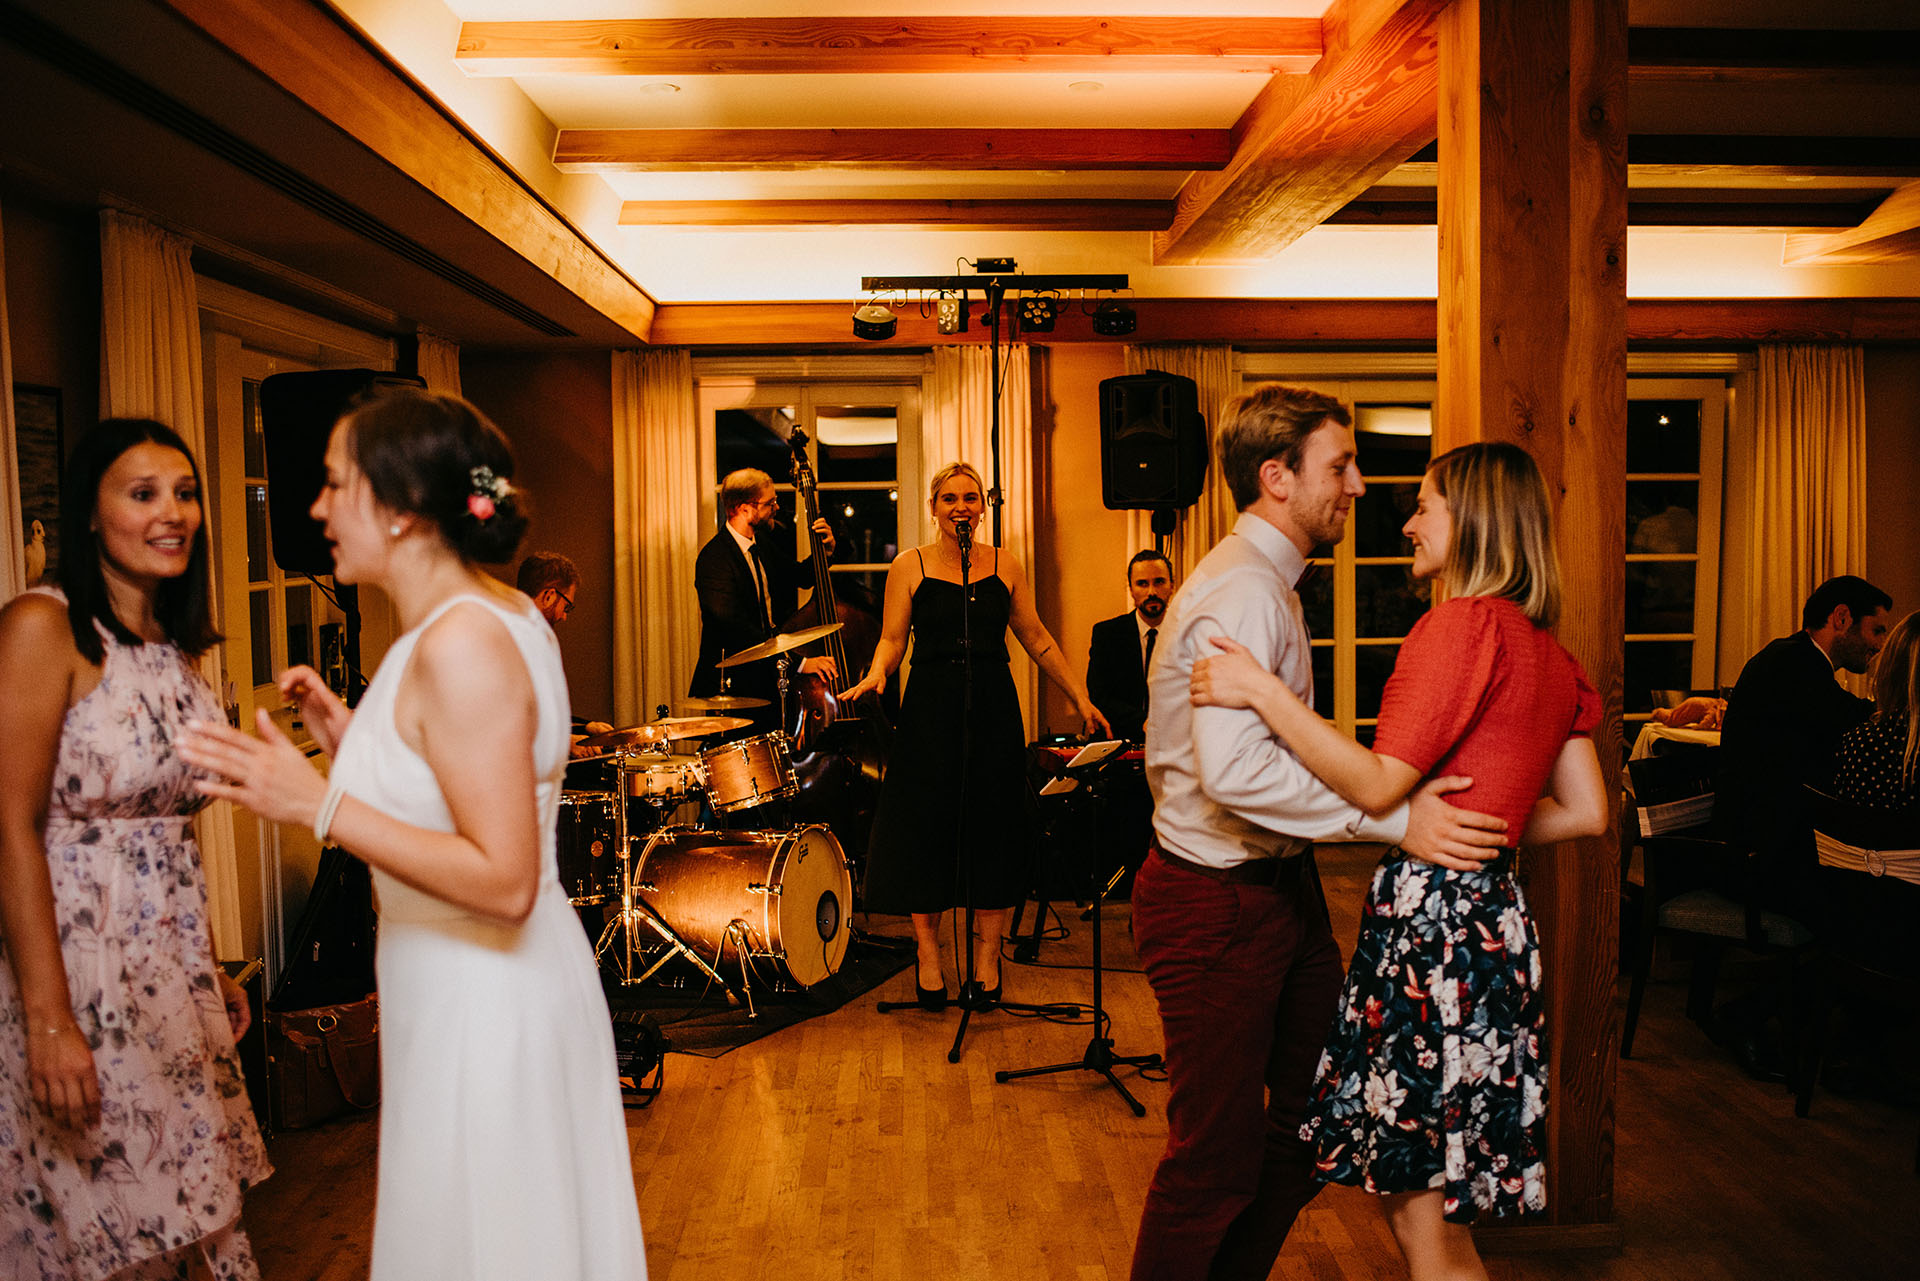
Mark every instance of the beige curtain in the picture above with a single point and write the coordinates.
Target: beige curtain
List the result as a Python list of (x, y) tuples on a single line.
[(150, 367), (957, 426), (1808, 520), (1211, 519), (656, 530), (438, 362), (13, 533)]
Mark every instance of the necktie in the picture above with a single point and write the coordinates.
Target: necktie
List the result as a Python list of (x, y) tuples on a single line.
[(760, 585), (1146, 661)]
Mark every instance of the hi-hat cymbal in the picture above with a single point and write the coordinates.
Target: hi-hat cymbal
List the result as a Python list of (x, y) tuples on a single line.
[(779, 644), (697, 726), (721, 703)]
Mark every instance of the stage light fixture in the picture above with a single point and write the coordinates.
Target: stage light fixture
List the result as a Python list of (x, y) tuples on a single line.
[(1112, 319), (950, 314), (1038, 312), (874, 322)]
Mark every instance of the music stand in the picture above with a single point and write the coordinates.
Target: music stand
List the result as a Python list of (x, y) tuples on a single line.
[(1085, 769)]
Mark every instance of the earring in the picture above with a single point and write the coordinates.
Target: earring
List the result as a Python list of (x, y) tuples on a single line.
[(394, 529)]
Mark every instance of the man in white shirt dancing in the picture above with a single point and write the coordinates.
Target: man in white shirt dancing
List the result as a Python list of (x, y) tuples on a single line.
[(1227, 910)]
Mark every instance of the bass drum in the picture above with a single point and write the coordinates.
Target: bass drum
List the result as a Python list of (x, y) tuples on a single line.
[(791, 892)]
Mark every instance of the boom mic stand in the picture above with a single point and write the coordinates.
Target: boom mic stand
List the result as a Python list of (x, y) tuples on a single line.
[(1099, 1056)]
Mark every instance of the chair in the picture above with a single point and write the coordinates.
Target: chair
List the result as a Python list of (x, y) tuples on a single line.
[(1870, 896), (1687, 868)]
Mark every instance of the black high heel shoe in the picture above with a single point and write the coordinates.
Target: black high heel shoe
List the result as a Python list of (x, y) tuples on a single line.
[(930, 998)]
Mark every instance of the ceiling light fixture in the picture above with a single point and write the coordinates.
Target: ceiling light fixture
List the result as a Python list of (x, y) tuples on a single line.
[(874, 322), (1112, 319), (660, 88), (1085, 86)]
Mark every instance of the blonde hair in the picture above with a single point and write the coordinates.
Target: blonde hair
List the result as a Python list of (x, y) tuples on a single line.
[(1896, 687), (947, 473), (1502, 543)]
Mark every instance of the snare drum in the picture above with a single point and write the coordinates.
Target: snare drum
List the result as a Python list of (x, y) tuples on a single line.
[(646, 777), (790, 890), (589, 831), (749, 772)]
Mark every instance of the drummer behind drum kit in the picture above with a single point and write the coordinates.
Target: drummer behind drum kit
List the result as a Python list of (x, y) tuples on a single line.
[(779, 898)]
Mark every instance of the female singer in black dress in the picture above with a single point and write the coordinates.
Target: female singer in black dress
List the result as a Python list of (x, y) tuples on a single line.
[(932, 802)]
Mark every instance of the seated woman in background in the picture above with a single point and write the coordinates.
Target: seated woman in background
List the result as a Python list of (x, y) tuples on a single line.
[(1877, 764), (1432, 1089)]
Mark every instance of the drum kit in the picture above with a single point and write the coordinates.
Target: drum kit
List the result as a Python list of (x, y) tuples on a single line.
[(780, 898)]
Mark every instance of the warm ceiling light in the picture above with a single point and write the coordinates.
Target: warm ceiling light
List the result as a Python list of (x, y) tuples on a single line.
[(874, 322), (1037, 312), (1085, 86), (1113, 319), (660, 88)]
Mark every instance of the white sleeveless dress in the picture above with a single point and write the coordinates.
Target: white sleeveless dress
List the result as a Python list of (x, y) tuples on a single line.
[(503, 1142)]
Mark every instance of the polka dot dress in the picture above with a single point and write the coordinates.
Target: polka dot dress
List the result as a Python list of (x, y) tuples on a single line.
[(1867, 765)]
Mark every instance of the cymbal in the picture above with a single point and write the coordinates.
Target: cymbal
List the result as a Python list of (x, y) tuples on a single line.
[(630, 737), (721, 703), (697, 726), (780, 644)]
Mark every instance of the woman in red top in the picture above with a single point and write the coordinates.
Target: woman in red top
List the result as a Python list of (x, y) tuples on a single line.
[(1432, 1088)]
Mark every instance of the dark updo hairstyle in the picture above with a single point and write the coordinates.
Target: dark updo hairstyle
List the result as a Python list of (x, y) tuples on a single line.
[(181, 605), (420, 452)]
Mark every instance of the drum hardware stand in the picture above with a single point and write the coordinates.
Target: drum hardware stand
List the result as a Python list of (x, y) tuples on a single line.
[(742, 947), (633, 910), (1099, 1056)]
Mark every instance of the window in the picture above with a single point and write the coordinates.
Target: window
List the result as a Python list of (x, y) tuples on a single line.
[(1360, 597), (861, 440), (1674, 435)]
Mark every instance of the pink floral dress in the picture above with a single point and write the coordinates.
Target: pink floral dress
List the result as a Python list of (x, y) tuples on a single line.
[(160, 1178)]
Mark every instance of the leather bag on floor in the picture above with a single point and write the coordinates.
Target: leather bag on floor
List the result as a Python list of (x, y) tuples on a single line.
[(323, 1062)]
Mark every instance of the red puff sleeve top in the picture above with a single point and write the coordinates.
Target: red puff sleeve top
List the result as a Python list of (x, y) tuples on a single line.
[(1480, 690)]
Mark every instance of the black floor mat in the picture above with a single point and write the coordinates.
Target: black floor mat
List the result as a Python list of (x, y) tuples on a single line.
[(702, 1020)]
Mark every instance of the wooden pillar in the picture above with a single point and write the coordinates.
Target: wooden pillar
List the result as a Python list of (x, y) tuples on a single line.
[(1532, 347)]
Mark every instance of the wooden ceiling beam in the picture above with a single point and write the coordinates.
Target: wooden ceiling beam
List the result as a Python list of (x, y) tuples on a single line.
[(1310, 144), (1418, 207), (1777, 58), (304, 46), (866, 46), (1890, 233), (715, 150), (1005, 215), (1310, 322)]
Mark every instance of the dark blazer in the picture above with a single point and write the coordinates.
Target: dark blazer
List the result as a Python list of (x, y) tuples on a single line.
[(1115, 679), (730, 617), (1784, 719)]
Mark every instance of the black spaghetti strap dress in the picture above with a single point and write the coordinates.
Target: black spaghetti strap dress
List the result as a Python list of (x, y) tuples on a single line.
[(932, 809)]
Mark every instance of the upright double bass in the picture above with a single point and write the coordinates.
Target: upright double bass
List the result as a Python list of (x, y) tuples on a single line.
[(840, 750)]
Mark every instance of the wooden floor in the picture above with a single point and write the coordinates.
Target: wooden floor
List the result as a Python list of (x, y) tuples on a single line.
[(849, 1147)]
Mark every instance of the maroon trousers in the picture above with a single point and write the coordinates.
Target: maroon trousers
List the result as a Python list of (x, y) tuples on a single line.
[(1248, 981)]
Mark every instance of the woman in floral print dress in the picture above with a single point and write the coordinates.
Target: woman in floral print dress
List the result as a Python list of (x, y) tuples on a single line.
[(126, 1140), (1432, 1088)]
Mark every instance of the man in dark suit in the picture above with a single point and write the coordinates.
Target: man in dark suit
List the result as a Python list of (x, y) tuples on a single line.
[(1119, 648), (746, 587), (1783, 721)]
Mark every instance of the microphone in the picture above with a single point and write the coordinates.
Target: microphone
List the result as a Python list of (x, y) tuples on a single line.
[(963, 533)]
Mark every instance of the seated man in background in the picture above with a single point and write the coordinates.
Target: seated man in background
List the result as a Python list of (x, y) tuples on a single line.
[(1120, 649), (1783, 722), (552, 582)]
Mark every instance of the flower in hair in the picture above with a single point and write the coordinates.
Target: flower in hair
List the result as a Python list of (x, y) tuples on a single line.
[(488, 489)]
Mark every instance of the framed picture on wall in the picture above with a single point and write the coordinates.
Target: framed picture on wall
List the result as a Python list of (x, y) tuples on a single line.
[(42, 455)]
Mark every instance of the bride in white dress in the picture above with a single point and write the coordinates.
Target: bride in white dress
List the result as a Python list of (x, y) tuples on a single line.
[(503, 1152)]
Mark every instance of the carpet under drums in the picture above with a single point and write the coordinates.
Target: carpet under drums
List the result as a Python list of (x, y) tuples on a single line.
[(702, 1019)]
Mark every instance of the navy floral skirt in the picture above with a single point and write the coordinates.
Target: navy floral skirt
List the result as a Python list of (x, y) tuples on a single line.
[(1435, 1073)]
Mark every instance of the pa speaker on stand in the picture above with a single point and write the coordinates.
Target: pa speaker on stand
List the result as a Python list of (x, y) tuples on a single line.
[(1153, 445)]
